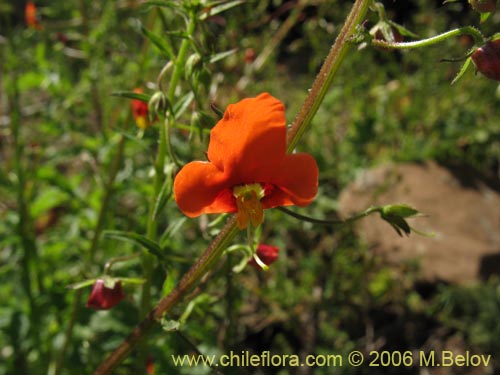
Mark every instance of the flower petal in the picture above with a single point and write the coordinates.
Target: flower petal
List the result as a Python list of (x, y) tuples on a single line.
[(200, 187), (296, 182), (250, 141)]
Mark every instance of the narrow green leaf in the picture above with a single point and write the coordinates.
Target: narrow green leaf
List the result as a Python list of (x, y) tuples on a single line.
[(169, 283), (221, 55), (132, 95), (484, 16), (81, 284), (219, 7), (182, 104), (131, 280), (137, 239), (462, 70), (161, 200), (159, 42), (162, 3), (172, 229), (403, 30)]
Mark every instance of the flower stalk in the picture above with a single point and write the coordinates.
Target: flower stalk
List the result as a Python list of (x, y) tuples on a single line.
[(228, 232), (466, 30)]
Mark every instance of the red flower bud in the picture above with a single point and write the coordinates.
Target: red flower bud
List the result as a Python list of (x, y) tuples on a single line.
[(267, 254), (104, 298), (483, 6), (249, 55), (140, 111), (487, 59)]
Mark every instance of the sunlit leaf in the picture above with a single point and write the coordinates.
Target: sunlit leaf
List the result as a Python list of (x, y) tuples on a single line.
[(219, 7)]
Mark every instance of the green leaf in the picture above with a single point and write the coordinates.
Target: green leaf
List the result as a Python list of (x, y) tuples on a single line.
[(131, 280), (132, 95), (403, 30), (219, 7), (46, 200), (159, 42), (172, 229), (402, 210), (81, 284), (463, 69), (182, 104), (161, 200), (170, 325), (169, 283), (162, 3), (484, 16), (137, 239), (221, 55)]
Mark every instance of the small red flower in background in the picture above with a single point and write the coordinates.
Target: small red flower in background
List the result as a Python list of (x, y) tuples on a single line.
[(249, 169), (30, 16), (140, 111), (150, 366), (266, 253), (250, 55), (103, 297), (487, 59)]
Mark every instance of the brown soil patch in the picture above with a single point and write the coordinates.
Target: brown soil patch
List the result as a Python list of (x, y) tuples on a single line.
[(462, 209)]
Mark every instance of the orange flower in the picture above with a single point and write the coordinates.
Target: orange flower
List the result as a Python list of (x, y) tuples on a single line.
[(140, 111), (30, 16), (248, 168)]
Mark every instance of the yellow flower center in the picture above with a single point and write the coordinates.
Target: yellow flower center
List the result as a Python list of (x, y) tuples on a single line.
[(141, 122), (249, 206)]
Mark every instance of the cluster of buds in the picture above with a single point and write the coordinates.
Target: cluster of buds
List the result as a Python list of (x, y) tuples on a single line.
[(487, 59)]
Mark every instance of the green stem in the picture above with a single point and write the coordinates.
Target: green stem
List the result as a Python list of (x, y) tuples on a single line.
[(216, 248), (326, 74), (113, 261), (349, 220), (181, 59), (30, 274), (466, 30)]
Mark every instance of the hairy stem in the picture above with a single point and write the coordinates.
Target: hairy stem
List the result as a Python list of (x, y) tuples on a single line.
[(326, 74)]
